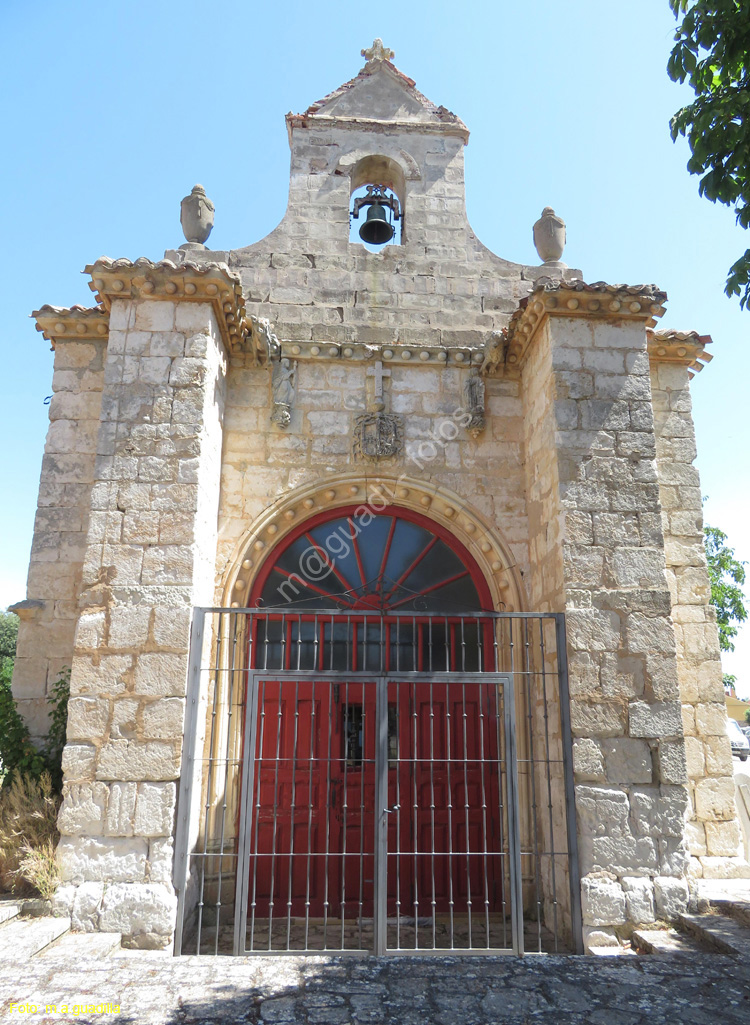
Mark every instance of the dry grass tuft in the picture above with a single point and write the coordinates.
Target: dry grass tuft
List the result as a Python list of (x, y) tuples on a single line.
[(28, 835)]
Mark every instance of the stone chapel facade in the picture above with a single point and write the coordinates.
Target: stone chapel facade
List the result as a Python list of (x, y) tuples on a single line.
[(210, 404)]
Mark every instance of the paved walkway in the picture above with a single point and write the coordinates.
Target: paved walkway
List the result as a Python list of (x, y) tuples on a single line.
[(700, 989)]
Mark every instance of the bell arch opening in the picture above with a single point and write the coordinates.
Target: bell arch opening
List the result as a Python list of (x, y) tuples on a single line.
[(377, 202)]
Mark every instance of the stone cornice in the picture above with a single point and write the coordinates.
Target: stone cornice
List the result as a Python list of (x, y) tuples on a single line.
[(375, 125), (390, 352), (507, 349), (187, 282), (67, 323), (687, 348)]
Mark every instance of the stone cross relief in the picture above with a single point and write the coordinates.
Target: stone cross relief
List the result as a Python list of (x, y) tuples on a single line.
[(377, 434), (378, 372)]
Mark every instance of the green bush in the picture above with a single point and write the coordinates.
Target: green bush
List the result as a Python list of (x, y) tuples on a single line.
[(18, 755)]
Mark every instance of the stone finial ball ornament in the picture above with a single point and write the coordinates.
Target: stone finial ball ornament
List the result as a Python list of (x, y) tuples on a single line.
[(197, 215), (549, 236)]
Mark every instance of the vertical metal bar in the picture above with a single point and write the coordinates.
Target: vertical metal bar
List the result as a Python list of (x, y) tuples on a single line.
[(531, 763), (414, 762), (277, 759), (553, 845), (432, 812), (449, 795), (380, 908), (256, 693), (187, 771), (466, 813), (483, 689), (231, 670), (209, 780), (342, 854), (570, 805), (514, 836), (397, 813), (246, 815), (266, 621), (290, 874), (495, 696), (311, 763), (328, 814), (362, 816)]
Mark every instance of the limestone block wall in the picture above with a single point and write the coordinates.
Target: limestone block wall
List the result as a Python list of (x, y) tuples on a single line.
[(263, 463), (629, 757), (49, 616), (546, 585), (440, 287), (149, 559), (713, 830)]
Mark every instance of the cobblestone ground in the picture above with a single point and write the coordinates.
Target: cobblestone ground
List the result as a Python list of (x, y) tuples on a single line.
[(680, 990)]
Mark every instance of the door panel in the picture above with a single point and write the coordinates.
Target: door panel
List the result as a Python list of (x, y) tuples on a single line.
[(312, 842)]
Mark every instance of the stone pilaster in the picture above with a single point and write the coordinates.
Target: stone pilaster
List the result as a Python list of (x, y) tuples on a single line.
[(49, 614), (598, 554), (150, 558), (713, 831)]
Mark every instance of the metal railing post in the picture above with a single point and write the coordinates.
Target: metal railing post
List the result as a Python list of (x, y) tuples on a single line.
[(187, 772), (247, 786), (380, 909), (514, 827), (574, 874)]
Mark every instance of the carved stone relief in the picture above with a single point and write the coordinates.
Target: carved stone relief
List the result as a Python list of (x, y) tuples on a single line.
[(377, 434), (474, 403), (283, 387)]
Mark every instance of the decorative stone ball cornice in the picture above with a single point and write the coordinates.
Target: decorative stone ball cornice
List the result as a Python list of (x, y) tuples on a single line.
[(687, 348), (187, 282), (403, 353), (68, 323), (550, 297)]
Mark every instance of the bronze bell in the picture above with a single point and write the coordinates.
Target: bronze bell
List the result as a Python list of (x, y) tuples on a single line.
[(376, 230)]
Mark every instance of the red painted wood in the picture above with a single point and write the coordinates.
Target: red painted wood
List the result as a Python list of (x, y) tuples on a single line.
[(317, 850)]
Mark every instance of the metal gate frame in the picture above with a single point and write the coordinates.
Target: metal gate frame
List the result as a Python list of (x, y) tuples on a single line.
[(380, 811), (189, 793)]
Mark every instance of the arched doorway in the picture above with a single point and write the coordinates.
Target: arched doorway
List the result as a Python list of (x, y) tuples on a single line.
[(373, 723), (372, 774)]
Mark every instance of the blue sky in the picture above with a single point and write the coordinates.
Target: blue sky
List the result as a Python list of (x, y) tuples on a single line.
[(112, 112)]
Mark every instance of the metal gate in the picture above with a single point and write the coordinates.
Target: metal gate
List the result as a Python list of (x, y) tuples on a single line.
[(376, 782)]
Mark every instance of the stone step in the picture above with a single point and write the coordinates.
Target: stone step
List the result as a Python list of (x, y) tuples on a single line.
[(129, 952), (36, 907), (611, 951), (83, 944), (718, 932), (737, 909), (24, 937), (665, 941), (8, 911)]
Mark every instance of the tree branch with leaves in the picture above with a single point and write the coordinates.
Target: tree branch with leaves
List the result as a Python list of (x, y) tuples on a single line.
[(726, 574), (712, 54)]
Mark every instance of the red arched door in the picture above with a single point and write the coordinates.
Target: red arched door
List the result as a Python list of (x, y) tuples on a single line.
[(348, 604)]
